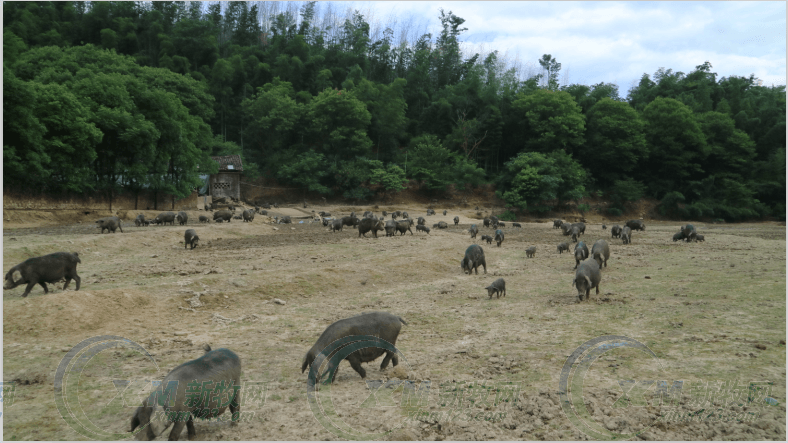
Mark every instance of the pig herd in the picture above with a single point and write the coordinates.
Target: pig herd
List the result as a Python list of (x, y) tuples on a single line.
[(588, 264), (225, 365), (63, 265)]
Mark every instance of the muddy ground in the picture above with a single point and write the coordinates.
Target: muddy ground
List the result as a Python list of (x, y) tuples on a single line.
[(713, 313)]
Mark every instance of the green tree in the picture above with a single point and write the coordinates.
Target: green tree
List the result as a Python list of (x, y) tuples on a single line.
[(391, 178), (38, 23), (448, 66), (549, 121), (274, 118), (467, 136), (192, 94), (699, 89), (616, 142), (666, 84), (70, 139), (307, 170), (338, 124), (419, 89), (182, 72), (730, 150), (351, 177), (769, 181), (669, 205), (220, 84), (436, 167), (386, 105), (430, 163), (538, 182), (25, 162), (588, 96), (581, 96), (12, 47), (355, 38), (624, 192), (381, 60), (722, 197), (676, 144), (552, 68), (149, 136), (195, 39), (467, 174)]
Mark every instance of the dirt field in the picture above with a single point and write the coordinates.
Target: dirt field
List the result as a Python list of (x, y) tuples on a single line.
[(713, 313)]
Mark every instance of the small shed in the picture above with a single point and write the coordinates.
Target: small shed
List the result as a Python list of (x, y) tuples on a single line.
[(227, 182)]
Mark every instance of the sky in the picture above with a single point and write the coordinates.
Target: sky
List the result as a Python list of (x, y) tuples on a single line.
[(612, 42)]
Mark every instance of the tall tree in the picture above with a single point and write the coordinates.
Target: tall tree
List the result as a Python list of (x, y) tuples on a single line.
[(24, 159), (551, 69), (550, 121), (436, 167), (616, 143), (338, 124), (275, 118), (676, 144), (449, 67), (538, 182), (70, 139), (147, 135), (730, 150), (386, 105)]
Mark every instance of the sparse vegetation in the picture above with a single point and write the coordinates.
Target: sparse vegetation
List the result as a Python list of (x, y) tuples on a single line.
[(692, 290)]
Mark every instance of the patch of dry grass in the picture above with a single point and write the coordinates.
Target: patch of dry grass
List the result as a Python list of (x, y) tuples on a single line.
[(702, 308)]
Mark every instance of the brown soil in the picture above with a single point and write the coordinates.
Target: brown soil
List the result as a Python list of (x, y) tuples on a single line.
[(701, 307)]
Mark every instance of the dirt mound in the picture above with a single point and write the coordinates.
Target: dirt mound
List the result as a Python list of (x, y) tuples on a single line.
[(61, 311)]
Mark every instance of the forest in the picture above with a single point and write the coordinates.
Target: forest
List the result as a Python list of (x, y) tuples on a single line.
[(124, 96)]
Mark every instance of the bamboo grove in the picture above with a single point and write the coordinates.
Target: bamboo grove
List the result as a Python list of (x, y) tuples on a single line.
[(129, 95)]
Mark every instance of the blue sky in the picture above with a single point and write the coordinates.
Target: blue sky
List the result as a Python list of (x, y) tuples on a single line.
[(615, 42)]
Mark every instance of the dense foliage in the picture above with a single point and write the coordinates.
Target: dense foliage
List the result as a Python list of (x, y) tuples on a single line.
[(132, 95)]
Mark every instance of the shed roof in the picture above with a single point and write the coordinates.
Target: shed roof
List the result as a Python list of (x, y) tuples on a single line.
[(229, 163)]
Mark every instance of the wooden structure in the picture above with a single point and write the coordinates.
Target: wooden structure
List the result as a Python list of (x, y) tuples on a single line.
[(227, 182)]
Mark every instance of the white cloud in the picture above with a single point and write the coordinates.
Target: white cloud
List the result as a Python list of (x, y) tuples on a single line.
[(609, 41)]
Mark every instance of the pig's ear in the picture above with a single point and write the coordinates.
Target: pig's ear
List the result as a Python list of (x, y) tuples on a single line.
[(16, 277), (588, 280)]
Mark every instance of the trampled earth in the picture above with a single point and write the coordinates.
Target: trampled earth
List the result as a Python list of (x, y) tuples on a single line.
[(713, 313)]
